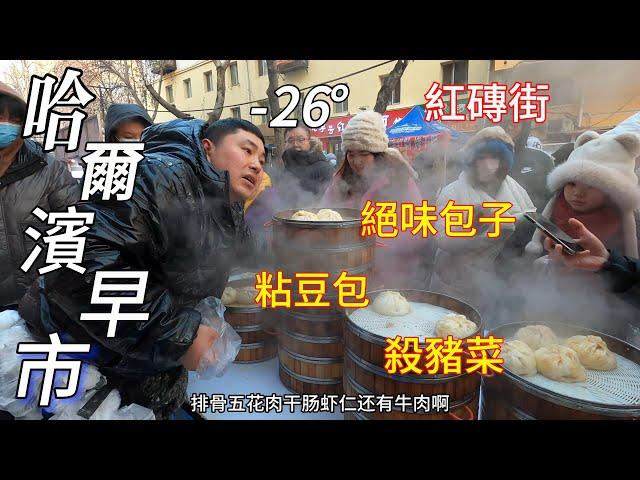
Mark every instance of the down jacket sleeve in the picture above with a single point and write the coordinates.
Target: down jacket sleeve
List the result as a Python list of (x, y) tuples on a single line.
[(65, 191), (127, 236)]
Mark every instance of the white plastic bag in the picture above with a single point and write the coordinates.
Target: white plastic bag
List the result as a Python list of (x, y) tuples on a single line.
[(14, 332), (225, 348), (109, 409), (8, 319)]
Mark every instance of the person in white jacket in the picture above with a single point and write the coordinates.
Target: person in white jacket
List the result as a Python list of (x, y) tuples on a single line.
[(464, 267)]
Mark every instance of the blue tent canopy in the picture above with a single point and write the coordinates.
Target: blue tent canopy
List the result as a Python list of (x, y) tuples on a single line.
[(414, 125)]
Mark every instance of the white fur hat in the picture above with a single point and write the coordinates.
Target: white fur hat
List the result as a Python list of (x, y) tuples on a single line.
[(606, 163), (365, 132), (603, 162)]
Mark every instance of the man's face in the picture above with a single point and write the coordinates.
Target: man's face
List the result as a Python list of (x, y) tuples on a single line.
[(242, 154), (298, 139)]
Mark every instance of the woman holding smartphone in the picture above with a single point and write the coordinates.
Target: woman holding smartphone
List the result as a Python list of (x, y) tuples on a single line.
[(598, 187), (622, 272)]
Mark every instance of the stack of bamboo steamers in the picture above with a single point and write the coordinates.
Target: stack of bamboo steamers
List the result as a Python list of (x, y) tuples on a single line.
[(311, 347)]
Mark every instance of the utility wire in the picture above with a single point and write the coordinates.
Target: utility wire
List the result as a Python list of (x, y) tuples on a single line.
[(302, 90)]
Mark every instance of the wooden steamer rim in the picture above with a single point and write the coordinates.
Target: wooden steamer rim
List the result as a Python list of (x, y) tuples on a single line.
[(312, 360), (254, 346), (238, 307), (351, 216), (307, 379), (232, 308), (452, 406), (411, 295), (619, 346), (311, 339), (331, 317), (422, 379)]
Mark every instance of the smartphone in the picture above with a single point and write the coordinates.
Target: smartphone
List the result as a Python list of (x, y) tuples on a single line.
[(552, 231)]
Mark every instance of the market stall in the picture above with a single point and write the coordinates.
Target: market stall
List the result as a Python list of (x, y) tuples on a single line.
[(413, 134)]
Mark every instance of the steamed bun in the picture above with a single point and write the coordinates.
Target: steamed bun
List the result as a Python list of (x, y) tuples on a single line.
[(391, 303), (536, 336), (592, 352), (456, 325), (560, 363), (304, 215), (229, 296), (328, 215), (246, 296), (519, 358)]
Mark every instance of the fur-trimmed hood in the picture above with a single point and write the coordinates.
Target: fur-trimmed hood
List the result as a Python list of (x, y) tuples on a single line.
[(603, 162), (606, 163), (489, 133), (493, 141), (316, 145)]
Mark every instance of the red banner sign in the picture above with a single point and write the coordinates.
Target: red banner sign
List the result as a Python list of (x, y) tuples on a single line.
[(335, 126)]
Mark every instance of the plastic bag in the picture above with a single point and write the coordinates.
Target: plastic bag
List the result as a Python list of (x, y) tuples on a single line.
[(109, 409), (13, 330), (8, 319), (10, 364), (225, 348)]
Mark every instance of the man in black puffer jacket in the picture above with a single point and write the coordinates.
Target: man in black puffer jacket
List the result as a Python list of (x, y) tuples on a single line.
[(184, 225), (29, 178), (307, 172)]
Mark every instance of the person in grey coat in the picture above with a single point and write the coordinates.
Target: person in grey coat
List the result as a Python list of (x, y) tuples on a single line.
[(29, 178)]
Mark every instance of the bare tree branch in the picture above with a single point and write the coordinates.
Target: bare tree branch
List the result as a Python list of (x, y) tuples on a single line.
[(121, 71), (142, 69), (157, 104), (390, 82), (170, 107)]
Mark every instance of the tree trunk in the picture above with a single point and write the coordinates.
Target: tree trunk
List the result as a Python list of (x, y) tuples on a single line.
[(170, 107), (388, 85), (274, 109), (221, 87), (157, 104)]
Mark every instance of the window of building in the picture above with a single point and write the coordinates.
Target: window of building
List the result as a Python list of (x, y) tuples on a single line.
[(235, 112), (395, 93), (169, 93), (187, 88), (208, 81), (233, 68), (262, 68), (341, 107), (455, 73)]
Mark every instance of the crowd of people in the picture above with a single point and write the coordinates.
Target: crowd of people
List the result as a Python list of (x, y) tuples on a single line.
[(203, 195)]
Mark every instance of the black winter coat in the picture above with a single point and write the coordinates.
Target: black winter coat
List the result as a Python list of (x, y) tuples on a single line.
[(180, 227), (311, 170)]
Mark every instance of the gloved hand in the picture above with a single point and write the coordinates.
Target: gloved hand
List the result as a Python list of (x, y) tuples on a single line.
[(216, 344)]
